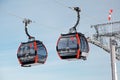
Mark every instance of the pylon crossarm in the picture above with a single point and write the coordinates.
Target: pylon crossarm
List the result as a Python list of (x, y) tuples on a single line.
[(115, 34), (98, 44)]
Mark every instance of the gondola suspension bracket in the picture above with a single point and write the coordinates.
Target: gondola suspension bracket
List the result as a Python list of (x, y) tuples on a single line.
[(73, 29), (26, 22)]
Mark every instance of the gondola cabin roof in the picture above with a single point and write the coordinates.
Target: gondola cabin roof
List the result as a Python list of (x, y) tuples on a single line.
[(31, 53), (72, 46)]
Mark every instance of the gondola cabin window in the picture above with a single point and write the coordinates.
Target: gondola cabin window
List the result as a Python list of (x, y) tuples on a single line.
[(42, 53), (84, 47), (67, 42)]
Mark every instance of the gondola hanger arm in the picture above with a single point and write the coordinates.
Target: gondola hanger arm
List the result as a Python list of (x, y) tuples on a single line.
[(26, 22), (78, 10)]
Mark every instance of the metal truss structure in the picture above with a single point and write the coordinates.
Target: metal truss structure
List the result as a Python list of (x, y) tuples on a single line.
[(103, 33), (107, 37)]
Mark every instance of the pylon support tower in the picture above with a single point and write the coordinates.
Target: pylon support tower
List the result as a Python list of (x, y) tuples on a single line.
[(108, 33)]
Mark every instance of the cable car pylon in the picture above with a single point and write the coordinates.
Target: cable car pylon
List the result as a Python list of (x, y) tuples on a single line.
[(73, 45), (31, 52), (107, 37), (102, 35)]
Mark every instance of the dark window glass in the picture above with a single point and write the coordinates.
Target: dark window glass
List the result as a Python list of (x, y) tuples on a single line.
[(42, 53), (62, 44), (67, 42), (72, 43), (83, 44), (26, 52)]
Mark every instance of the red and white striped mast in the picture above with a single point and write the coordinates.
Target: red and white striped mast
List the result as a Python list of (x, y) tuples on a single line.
[(112, 52)]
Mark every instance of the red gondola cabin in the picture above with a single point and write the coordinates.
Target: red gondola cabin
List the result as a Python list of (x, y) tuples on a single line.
[(32, 53), (72, 46)]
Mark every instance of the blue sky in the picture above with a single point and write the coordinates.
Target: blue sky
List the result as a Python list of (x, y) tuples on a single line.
[(50, 19)]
